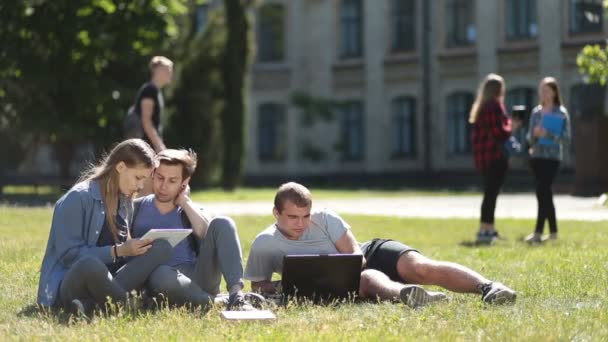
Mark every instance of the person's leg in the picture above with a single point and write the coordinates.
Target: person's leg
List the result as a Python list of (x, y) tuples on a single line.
[(177, 287), (134, 274), (89, 279), (539, 179), (493, 179), (551, 172), (219, 254), (377, 285), (415, 268)]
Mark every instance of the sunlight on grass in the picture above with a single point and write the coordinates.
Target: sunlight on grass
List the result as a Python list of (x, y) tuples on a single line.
[(562, 290)]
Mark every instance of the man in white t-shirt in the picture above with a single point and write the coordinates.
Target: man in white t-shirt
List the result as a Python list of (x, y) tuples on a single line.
[(389, 267)]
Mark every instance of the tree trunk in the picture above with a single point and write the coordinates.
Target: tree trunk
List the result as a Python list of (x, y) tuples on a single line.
[(234, 70)]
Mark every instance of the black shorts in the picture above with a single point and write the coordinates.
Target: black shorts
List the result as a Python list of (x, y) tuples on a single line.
[(383, 254)]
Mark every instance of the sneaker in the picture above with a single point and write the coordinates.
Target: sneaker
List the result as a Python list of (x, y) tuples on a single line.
[(486, 237), (415, 296), (533, 238), (497, 293), (550, 237), (237, 302), (79, 309)]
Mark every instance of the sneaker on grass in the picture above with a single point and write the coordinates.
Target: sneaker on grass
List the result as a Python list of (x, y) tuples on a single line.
[(497, 293), (415, 296)]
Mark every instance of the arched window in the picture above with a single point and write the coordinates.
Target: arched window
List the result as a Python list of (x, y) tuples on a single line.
[(403, 128), (351, 130), (270, 35), (351, 29), (271, 132), (459, 129)]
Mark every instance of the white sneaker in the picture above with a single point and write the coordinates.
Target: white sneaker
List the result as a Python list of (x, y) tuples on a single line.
[(415, 296), (533, 238)]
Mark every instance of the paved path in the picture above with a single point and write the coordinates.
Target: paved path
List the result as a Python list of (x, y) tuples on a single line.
[(462, 206)]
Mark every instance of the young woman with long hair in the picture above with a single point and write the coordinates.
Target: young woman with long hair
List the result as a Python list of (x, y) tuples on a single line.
[(491, 128), (89, 242), (546, 153)]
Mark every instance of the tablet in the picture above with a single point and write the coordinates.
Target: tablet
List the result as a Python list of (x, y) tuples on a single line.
[(174, 236)]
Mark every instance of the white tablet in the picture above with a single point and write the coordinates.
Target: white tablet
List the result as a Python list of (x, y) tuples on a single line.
[(174, 236)]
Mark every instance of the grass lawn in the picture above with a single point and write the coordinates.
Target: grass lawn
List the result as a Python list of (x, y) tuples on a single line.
[(562, 290), (16, 193)]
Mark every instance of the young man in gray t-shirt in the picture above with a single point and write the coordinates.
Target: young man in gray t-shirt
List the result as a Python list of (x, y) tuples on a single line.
[(387, 265)]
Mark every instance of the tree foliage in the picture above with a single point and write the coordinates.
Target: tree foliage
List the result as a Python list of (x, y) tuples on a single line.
[(69, 68), (234, 70), (197, 101), (593, 59)]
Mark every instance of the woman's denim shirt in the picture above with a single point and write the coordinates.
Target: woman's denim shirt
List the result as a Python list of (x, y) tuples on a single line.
[(78, 218)]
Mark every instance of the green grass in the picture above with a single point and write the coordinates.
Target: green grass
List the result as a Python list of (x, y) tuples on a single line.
[(562, 290), (267, 194)]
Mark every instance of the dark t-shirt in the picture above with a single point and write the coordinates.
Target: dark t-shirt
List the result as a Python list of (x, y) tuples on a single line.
[(150, 91), (106, 239)]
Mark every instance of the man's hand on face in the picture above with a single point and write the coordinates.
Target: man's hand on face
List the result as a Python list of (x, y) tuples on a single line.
[(183, 197)]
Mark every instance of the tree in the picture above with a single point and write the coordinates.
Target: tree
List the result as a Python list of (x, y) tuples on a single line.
[(66, 66), (198, 98), (593, 59), (234, 70)]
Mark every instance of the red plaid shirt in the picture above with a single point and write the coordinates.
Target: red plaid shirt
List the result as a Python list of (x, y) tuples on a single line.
[(490, 131)]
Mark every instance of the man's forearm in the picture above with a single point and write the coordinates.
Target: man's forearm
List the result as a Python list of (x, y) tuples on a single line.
[(198, 219)]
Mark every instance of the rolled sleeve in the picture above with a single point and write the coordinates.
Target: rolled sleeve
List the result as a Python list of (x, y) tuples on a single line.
[(336, 226)]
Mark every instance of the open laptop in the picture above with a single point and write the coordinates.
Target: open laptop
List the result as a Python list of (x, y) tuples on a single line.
[(321, 277)]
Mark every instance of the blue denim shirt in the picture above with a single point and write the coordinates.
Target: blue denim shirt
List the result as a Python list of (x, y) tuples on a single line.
[(78, 218)]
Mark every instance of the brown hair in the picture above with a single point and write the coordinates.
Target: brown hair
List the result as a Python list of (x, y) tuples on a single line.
[(491, 88), (134, 153), (186, 158), (293, 192), (551, 82)]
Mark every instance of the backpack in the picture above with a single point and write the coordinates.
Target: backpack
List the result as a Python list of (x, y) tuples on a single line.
[(131, 125), (194, 243)]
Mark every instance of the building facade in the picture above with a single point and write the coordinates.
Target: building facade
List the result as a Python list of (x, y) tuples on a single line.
[(404, 73)]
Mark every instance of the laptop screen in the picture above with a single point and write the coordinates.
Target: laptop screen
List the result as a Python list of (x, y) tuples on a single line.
[(322, 277)]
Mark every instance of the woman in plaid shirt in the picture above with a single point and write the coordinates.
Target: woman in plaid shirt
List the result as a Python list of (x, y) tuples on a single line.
[(491, 128)]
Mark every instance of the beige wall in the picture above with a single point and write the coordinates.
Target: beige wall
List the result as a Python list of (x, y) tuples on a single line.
[(312, 41)]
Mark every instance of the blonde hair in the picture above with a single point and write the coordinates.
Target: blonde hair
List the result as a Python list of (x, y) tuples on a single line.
[(491, 88), (157, 61), (293, 192), (551, 82), (134, 153), (186, 158)]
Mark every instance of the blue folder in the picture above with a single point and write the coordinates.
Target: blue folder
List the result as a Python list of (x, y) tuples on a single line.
[(554, 124)]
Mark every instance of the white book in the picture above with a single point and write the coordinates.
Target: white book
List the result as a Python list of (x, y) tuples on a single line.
[(174, 236), (248, 315)]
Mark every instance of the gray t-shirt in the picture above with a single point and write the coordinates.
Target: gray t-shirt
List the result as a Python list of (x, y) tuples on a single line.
[(270, 246)]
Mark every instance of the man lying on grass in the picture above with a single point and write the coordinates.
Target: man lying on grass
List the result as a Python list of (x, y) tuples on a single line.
[(390, 267)]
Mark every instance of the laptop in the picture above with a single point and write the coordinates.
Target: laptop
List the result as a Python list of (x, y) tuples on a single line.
[(321, 277)]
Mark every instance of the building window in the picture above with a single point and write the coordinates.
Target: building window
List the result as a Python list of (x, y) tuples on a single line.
[(403, 127), (521, 96), (459, 129), (586, 16), (271, 44), (352, 137), (351, 28), (586, 102), (521, 19), (403, 20), (200, 17), (460, 24), (271, 132)]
